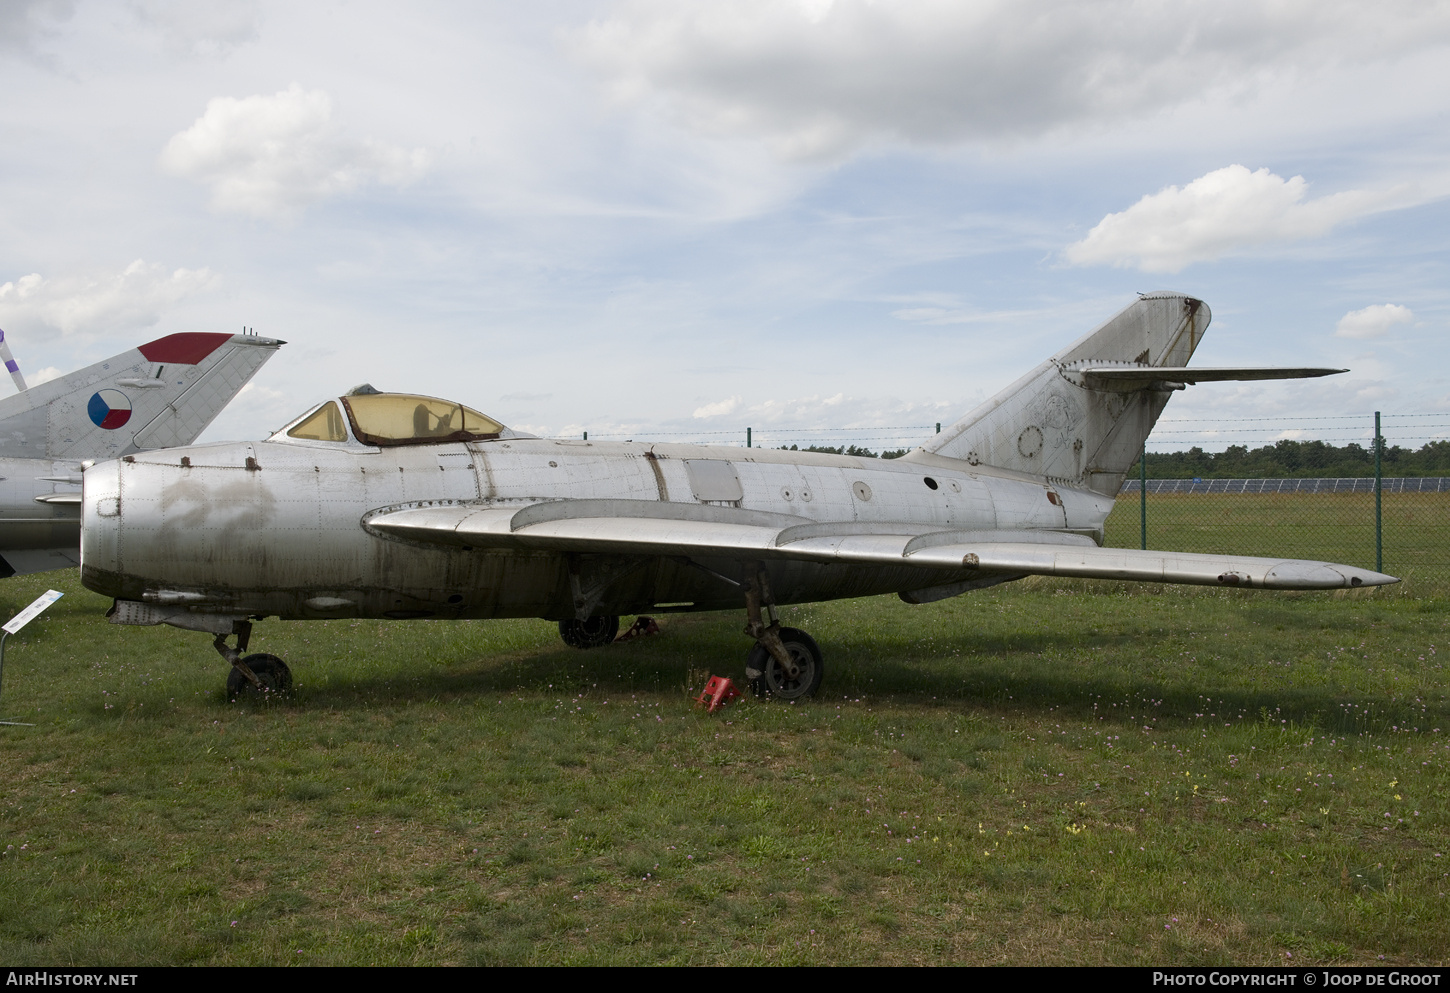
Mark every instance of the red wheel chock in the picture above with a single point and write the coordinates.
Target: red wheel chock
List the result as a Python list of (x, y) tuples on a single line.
[(641, 627), (717, 693)]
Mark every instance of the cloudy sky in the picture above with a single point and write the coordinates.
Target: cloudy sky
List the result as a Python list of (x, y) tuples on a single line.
[(656, 218)]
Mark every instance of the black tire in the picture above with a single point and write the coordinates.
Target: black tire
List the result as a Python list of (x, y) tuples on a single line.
[(273, 672), (768, 678), (589, 633)]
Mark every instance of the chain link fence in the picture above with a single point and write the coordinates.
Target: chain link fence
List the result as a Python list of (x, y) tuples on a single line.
[(1310, 491)]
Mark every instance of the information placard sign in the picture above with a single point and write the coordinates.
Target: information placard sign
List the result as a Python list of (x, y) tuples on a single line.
[(32, 612)]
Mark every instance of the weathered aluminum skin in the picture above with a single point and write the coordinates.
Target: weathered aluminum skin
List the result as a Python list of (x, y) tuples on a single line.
[(493, 529)]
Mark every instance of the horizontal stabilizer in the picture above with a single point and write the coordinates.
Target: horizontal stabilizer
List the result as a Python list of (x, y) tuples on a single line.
[(1130, 377), (1081, 417), (714, 532)]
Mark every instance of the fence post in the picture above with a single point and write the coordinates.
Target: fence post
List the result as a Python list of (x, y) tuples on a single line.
[(1379, 548), (747, 437), (1143, 498)]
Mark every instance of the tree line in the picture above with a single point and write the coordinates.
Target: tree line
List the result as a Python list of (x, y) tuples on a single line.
[(1282, 460), (1298, 460), (890, 453)]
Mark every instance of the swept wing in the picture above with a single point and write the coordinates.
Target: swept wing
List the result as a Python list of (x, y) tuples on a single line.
[(714, 532)]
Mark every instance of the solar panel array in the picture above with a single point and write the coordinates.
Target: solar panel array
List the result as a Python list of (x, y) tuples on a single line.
[(1396, 484)]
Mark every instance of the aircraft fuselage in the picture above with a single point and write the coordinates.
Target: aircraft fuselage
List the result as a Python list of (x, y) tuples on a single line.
[(280, 528)]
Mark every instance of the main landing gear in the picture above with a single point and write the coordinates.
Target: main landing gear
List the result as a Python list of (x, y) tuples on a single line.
[(785, 663), (259, 675), (590, 632), (596, 631)]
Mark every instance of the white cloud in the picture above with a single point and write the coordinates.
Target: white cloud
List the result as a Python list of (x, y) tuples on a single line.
[(874, 423), (838, 411), (839, 419), (821, 77), (1373, 322), (201, 27), (94, 304), (938, 315), (719, 408), (270, 156), (1220, 213), (957, 315)]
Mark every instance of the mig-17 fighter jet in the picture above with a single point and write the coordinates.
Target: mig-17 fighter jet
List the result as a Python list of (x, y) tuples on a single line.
[(403, 506)]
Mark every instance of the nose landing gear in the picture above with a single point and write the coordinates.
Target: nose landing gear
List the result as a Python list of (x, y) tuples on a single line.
[(260, 674)]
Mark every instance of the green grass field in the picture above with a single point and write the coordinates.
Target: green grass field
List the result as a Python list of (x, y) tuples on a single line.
[(1335, 527), (1050, 772)]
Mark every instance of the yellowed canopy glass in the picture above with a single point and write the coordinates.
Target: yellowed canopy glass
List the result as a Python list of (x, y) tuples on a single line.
[(388, 419), (325, 424)]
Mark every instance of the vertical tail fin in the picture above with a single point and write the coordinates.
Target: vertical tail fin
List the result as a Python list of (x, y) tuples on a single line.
[(161, 394), (1052, 423)]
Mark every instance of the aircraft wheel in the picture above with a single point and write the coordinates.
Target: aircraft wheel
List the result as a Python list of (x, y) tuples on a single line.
[(589, 633), (273, 672), (769, 679)]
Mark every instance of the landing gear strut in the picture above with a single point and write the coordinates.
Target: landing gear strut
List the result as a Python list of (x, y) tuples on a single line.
[(261, 673), (785, 663)]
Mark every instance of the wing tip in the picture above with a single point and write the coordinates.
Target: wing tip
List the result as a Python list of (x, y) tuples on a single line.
[(1296, 574)]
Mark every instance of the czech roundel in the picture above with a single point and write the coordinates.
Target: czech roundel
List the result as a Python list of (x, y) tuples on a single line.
[(109, 409)]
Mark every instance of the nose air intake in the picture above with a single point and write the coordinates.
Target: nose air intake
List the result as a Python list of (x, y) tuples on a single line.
[(101, 566)]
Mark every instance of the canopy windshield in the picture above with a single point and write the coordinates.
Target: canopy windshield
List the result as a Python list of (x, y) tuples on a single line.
[(391, 419), (324, 424)]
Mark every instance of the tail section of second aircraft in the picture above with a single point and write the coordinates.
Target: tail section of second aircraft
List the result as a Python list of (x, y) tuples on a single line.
[(159, 395), (162, 394)]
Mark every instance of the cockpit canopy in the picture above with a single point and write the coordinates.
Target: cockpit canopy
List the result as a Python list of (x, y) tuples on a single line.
[(389, 420)]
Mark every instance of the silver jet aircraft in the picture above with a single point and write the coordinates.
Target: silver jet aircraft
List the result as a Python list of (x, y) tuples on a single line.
[(163, 393), (392, 505)]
